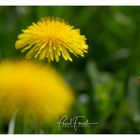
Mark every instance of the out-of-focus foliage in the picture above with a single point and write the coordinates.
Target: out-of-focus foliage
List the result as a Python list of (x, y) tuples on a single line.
[(105, 81)]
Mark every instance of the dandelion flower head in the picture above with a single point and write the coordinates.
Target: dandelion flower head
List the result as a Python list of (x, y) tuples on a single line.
[(35, 92), (50, 38)]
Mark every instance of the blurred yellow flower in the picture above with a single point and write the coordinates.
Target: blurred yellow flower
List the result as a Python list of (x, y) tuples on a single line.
[(50, 38), (35, 92)]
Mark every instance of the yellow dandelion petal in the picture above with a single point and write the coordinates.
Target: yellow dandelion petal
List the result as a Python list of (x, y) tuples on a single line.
[(37, 93), (51, 38)]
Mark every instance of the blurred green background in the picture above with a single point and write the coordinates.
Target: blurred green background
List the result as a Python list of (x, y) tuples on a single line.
[(105, 81)]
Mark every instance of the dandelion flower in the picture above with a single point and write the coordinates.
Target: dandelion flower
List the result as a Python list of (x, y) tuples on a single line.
[(35, 92), (51, 38)]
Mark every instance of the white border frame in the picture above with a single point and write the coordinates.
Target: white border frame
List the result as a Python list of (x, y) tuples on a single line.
[(70, 2), (69, 137)]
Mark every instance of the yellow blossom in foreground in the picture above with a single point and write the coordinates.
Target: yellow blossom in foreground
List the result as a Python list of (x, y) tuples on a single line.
[(50, 38), (36, 93)]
